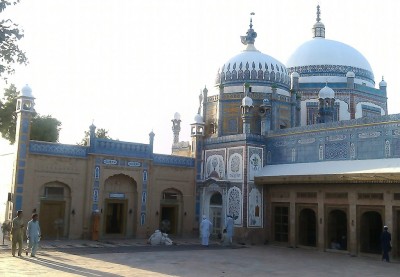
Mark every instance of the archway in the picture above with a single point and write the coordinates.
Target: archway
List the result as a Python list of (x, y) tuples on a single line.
[(120, 206), (216, 213), (370, 231), (54, 204), (337, 230), (171, 211), (307, 227)]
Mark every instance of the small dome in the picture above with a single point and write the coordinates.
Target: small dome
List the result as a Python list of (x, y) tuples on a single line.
[(247, 101), (26, 91), (198, 119), (350, 74), (382, 83), (177, 116), (326, 92), (295, 75)]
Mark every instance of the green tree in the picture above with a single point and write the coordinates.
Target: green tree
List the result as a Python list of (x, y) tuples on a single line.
[(100, 133), (43, 128), (10, 34)]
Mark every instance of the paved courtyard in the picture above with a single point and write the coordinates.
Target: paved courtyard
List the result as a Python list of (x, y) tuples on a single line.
[(188, 258)]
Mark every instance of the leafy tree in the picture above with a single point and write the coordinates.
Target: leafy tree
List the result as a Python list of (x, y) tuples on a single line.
[(43, 128), (10, 34), (8, 116), (100, 133)]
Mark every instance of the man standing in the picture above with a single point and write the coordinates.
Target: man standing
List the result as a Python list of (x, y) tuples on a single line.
[(205, 228), (33, 234), (229, 228), (386, 239), (17, 233)]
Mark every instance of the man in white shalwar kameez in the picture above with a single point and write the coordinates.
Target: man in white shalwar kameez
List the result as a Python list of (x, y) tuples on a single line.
[(205, 229), (33, 235)]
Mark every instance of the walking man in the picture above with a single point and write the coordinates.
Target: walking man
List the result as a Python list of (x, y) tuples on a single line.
[(386, 243), (33, 235), (17, 233), (205, 229)]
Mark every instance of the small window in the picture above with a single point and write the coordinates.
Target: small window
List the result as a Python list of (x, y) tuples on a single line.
[(54, 192), (170, 196)]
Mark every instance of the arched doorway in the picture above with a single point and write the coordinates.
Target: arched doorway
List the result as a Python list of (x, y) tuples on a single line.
[(55, 201), (337, 230), (171, 211), (216, 213), (120, 206), (307, 227), (370, 231)]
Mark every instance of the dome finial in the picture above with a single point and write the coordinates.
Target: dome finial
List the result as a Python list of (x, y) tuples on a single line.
[(319, 27), (250, 34)]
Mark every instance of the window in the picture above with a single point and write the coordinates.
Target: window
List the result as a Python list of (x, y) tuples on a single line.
[(281, 223), (54, 192)]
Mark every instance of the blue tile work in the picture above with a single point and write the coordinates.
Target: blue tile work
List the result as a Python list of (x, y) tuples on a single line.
[(363, 138), (57, 149), (332, 70), (124, 149), (96, 184), (18, 202), (160, 159), (21, 176), (145, 177)]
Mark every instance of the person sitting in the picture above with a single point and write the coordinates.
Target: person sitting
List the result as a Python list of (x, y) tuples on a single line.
[(155, 238)]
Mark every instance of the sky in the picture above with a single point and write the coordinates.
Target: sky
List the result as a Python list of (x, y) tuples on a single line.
[(128, 66)]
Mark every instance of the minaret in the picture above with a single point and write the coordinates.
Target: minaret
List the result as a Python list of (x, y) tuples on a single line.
[(318, 29), (197, 134), (246, 108), (25, 110), (326, 104), (176, 126)]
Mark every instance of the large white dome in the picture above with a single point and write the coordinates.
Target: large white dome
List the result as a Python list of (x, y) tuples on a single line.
[(321, 51), (320, 59), (252, 66)]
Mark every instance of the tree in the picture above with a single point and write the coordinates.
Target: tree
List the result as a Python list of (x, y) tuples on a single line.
[(100, 133), (10, 34), (43, 128)]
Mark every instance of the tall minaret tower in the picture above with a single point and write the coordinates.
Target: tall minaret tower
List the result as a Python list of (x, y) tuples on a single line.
[(176, 126), (25, 110)]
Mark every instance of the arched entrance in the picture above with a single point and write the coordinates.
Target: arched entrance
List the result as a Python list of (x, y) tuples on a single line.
[(216, 213), (54, 204), (171, 211), (370, 231), (120, 206), (307, 228), (337, 230)]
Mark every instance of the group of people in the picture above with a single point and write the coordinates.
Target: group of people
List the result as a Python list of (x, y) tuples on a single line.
[(227, 233), (32, 233)]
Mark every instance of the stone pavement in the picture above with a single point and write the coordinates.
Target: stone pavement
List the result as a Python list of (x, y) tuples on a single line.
[(187, 258)]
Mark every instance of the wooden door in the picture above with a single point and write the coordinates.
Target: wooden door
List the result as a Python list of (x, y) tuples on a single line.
[(51, 218)]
